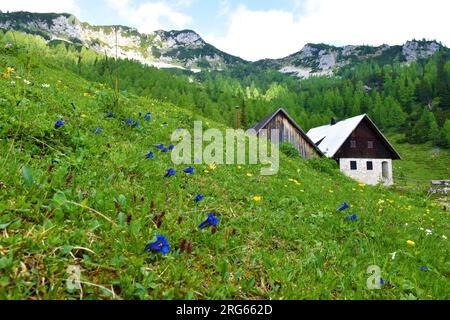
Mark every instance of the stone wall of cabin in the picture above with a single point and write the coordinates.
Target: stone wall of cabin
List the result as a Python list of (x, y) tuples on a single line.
[(371, 177)]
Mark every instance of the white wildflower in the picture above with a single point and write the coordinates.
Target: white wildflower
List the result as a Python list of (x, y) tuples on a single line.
[(26, 81), (393, 255), (428, 231), (444, 237), (45, 85)]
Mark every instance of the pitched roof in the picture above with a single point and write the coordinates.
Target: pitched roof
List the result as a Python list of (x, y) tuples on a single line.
[(260, 125), (330, 138)]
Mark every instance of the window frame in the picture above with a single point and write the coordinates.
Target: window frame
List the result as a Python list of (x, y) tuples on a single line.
[(371, 165), (355, 167)]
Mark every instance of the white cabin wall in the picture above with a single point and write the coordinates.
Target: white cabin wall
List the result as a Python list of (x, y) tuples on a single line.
[(361, 174)]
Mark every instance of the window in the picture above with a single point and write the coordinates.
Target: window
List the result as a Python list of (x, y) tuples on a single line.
[(352, 143), (353, 165), (369, 165), (370, 144)]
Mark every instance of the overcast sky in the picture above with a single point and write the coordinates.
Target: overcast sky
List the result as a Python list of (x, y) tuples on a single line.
[(256, 29)]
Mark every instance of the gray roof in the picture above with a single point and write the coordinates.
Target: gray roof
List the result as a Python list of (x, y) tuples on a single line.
[(261, 125)]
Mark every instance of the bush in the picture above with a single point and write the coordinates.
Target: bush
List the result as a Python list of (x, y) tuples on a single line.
[(325, 165), (289, 150)]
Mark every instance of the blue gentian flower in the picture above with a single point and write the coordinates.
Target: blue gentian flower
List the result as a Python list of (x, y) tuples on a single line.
[(381, 281), (110, 115), (160, 245), (159, 146), (170, 173), (129, 121), (198, 197), (210, 221), (423, 268), (165, 150), (352, 217), (150, 155), (147, 117), (189, 170), (59, 124), (136, 124), (171, 147), (97, 130), (344, 206)]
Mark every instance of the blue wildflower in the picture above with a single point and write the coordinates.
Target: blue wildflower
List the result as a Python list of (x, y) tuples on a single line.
[(136, 124), (352, 217), (198, 197), (170, 173), (150, 155), (129, 121), (423, 268), (189, 170), (160, 245), (344, 206), (210, 221), (179, 130), (171, 147), (97, 130), (59, 124), (159, 146), (165, 150), (110, 115), (381, 281), (148, 117)]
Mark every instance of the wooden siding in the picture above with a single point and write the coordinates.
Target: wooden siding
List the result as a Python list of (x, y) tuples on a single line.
[(289, 133), (362, 134)]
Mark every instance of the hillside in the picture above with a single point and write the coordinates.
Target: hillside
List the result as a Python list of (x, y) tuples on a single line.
[(183, 49), (79, 196)]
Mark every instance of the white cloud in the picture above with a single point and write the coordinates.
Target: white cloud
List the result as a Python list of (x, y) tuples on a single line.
[(60, 6), (277, 33), (150, 16)]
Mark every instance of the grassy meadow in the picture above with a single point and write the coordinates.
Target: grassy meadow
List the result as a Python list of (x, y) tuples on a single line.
[(77, 196)]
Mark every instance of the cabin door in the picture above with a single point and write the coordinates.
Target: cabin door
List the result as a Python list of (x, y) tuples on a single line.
[(385, 170)]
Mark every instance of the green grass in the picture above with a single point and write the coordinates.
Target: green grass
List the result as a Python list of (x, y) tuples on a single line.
[(421, 161), (293, 244)]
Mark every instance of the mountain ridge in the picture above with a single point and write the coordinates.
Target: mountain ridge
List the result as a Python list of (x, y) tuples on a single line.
[(187, 50)]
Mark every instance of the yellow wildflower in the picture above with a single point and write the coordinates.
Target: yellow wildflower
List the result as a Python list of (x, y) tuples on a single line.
[(86, 94), (83, 115), (10, 69), (302, 190), (206, 171), (249, 174), (257, 198), (212, 166), (410, 243), (330, 191), (239, 167)]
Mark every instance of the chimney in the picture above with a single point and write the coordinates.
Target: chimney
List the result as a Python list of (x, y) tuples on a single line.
[(333, 121)]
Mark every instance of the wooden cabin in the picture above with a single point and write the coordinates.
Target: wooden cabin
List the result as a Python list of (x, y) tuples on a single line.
[(289, 131), (359, 147)]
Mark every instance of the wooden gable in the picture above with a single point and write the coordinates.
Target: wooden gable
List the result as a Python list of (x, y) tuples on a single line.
[(290, 132), (366, 141)]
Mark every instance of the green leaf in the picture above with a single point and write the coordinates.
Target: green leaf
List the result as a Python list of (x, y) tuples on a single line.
[(5, 225), (27, 176), (121, 218)]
